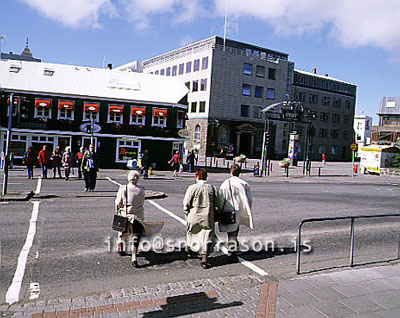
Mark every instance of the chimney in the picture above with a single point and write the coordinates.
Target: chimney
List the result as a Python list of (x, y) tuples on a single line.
[(314, 70), (326, 75), (109, 66)]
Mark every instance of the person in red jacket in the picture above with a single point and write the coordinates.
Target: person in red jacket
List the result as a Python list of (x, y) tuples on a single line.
[(29, 159), (176, 163), (44, 160)]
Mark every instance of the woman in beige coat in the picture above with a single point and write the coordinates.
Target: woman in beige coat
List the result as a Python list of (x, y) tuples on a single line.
[(198, 206), (129, 203)]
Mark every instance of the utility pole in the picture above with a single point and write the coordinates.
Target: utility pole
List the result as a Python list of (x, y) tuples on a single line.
[(7, 156)]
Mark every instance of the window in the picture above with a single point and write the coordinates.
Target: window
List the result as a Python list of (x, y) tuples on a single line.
[(325, 100), (138, 115), (337, 103), (197, 134), (188, 67), (181, 68), (159, 117), (43, 108), (323, 133), (162, 72), (196, 65), (195, 86), (180, 119), (300, 97), (334, 150), (347, 104), (271, 93), (115, 114), (334, 133), (324, 116), (127, 150), (259, 91), (188, 85), (16, 105), (18, 144), (203, 84), (194, 107), (247, 68), (260, 71), (168, 72), (346, 119), (249, 52), (335, 118), (66, 110), (174, 69), (244, 110), (91, 110), (204, 63), (271, 73), (157, 72), (246, 90), (345, 135), (257, 112), (202, 108), (321, 149), (313, 99)]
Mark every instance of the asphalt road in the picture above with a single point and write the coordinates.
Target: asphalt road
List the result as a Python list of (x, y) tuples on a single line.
[(70, 251)]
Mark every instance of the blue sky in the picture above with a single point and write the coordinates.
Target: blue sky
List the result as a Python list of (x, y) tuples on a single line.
[(353, 40)]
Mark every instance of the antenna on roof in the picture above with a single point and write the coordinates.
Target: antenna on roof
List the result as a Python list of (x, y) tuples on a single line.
[(2, 37), (104, 61), (27, 41), (226, 18)]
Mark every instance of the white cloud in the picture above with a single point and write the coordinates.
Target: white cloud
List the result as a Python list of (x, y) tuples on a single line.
[(350, 23), (186, 40), (74, 13)]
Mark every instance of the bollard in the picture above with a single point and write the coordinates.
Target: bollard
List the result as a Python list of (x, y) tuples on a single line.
[(216, 164), (287, 172), (319, 171)]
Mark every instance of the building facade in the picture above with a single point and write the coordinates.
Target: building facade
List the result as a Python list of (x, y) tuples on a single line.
[(388, 130), (230, 83), (53, 104), (363, 130), (333, 102)]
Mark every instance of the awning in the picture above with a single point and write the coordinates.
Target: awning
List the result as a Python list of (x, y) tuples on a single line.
[(15, 100), (91, 107), (159, 112), (43, 103), (139, 111), (115, 109), (66, 105)]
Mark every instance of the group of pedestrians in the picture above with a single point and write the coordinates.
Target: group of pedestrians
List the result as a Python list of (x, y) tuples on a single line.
[(201, 206), (86, 161)]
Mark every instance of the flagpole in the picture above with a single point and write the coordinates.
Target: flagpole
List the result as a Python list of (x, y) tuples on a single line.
[(226, 18)]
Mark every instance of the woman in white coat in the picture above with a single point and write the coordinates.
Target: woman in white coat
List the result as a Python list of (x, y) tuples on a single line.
[(129, 203), (235, 195)]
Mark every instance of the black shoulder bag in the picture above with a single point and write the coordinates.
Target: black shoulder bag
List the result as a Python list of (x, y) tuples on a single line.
[(120, 223), (223, 216)]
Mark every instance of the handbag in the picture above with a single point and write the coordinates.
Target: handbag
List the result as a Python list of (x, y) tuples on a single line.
[(223, 216), (121, 223)]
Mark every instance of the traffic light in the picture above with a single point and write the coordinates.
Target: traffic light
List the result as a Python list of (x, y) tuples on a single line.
[(89, 129)]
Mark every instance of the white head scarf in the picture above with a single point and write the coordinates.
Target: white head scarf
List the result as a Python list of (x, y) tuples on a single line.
[(133, 177)]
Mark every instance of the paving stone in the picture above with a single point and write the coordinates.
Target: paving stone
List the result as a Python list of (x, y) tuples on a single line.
[(361, 304), (376, 286), (394, 313), (385, 299), (303, 312), (299, 298), (351, 290), (365, 315), (333, 309)]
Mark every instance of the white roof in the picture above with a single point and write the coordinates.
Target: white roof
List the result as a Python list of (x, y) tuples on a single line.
[(91, 82), (323, 76)]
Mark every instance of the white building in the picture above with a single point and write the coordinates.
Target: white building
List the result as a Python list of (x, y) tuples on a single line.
[(230, 83), (362, 129)]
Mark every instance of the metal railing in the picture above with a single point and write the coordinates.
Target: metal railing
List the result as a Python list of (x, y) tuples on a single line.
[(352, 218)]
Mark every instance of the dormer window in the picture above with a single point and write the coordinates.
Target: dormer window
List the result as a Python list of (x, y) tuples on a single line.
[(14, 68), (48, 71)]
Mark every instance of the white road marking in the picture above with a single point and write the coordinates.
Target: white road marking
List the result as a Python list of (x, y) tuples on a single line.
[(38, 186), (34, 289), (12, 295), (224, 250)]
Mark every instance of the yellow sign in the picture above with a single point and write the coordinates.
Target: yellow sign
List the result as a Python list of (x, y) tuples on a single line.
[(353, 147)]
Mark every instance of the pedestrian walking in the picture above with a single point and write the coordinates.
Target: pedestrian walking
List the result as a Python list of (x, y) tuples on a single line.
[(67, 161), (56, 161), (29, 160), (79, 157), (323, 160), (190, 160), (145, 161), (198, 205), (176, 163), (130, 203), (89, 167), (44, 160), (235, 195)]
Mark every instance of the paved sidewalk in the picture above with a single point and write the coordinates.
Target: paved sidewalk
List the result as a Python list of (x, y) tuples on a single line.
[(357, 292)]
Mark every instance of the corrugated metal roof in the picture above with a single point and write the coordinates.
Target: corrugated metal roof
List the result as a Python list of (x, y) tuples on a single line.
[(389, 106), (89, 82), (323, 76)]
